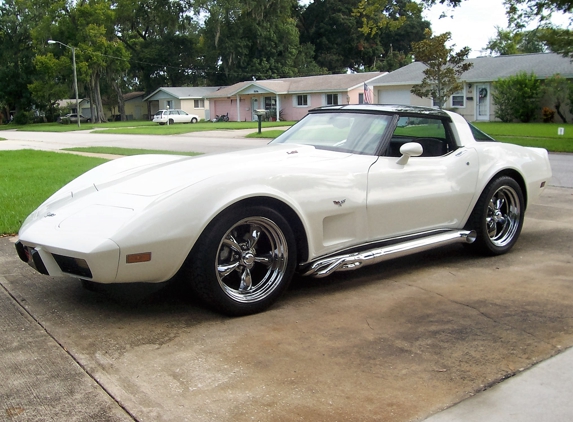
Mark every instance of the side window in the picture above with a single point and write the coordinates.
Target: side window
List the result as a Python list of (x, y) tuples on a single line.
[(429, 132)]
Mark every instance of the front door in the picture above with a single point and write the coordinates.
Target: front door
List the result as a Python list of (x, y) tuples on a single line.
[(254, 107), (425, 194), (482, 102)]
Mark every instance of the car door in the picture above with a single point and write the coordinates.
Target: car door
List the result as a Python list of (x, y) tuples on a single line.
[(182, 117), (432, 191)]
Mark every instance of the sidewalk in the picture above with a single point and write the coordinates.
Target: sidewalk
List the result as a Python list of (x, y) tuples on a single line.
[(543, 393)]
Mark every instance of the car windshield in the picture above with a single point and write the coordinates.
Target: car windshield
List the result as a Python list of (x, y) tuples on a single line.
[(348, 132)]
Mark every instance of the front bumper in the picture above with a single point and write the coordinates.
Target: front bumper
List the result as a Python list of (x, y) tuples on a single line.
[(101, 265)]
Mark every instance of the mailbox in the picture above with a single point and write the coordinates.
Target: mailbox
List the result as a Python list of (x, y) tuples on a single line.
[(260, 114)]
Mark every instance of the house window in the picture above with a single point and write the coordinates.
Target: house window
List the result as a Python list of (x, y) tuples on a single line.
[(270, 103), (331, 99), (199, 103), (302, 100), (361, 98), (458, 99), (169, 103)]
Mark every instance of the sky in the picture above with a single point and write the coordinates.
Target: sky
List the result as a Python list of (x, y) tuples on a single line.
[(473, 24)]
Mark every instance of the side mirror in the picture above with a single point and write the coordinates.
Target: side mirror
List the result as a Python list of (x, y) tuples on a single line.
[(410, 149)]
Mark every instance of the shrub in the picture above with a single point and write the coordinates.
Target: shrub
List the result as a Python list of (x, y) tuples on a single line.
[(547, 115), (517, 97), (22, 117)]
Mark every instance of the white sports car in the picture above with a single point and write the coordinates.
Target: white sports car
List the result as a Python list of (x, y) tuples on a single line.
[(345, 187)]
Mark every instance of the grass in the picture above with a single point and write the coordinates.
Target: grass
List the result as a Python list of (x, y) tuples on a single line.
[(271, 134), (127, 151), (142, 127), (544, 135), (28, 177)]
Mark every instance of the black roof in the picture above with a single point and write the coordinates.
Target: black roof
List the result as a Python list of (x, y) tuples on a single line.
[(385, 108)]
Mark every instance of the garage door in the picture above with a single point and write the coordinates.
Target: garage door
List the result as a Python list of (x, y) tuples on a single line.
[(394, 96)]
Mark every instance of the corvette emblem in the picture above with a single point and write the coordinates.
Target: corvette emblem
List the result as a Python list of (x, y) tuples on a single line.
[(50, 215), (339, 203)]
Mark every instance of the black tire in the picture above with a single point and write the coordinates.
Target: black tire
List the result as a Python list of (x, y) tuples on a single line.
[(497, 217), (194, 120), (243, 261), (171, 121)]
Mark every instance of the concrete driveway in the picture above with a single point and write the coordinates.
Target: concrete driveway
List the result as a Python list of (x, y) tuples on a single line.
[(393, 342)]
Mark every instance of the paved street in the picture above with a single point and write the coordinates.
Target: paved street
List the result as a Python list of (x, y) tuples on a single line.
[(399, 341)]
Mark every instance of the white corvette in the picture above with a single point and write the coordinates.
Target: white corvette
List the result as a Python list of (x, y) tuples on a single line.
[(346, 187)]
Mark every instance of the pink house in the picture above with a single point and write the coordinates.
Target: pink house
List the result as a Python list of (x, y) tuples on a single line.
[(290, 98)]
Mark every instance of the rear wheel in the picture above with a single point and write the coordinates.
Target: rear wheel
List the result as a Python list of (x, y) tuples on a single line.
[(171, 121), (497, 217), (243, 261)]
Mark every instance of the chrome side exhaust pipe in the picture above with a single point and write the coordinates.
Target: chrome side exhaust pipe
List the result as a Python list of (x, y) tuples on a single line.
[(326, 266)]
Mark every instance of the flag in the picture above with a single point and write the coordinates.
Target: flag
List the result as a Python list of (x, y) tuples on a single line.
[(367, 94)]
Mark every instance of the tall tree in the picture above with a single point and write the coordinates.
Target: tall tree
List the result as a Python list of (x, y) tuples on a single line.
[(443, 67), (523, 12), (49, 86), (88, 26), (16, 55), (378, 14), (252, 39), (508, 42), (334, 30), (162, 37)]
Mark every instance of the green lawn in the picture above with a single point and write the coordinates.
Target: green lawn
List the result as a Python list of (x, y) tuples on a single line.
[(544, 135), (28, 177), (143, 127)]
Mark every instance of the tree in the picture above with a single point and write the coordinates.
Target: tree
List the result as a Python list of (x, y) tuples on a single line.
[(89, 27), (517, 97), (376, 15), (556, 90), (252, 39), (339, 44), (48, 86), (163, 40), (507, 42), (523, 12), (16, 55), (443, 68)]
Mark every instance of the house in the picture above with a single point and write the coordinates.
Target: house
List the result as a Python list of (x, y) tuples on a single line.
[(190, 99), (289, 98), (474, 101), (135, 108), (70, 104)]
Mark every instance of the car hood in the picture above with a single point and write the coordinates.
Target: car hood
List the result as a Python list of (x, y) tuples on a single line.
[(150, 176), (115, 191)]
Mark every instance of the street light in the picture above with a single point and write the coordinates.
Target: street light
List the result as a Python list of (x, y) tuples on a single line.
[(75, 76)]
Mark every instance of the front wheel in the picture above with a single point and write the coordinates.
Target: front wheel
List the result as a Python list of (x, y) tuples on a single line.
[(194, 120), (243, 261), (497, 217)]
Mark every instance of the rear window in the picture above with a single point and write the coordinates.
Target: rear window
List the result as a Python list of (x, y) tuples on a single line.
[(480, 136)]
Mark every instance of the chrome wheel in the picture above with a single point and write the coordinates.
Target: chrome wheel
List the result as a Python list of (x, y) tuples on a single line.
[(497, 217), (503, 216), (244, 260), (251, 259)]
